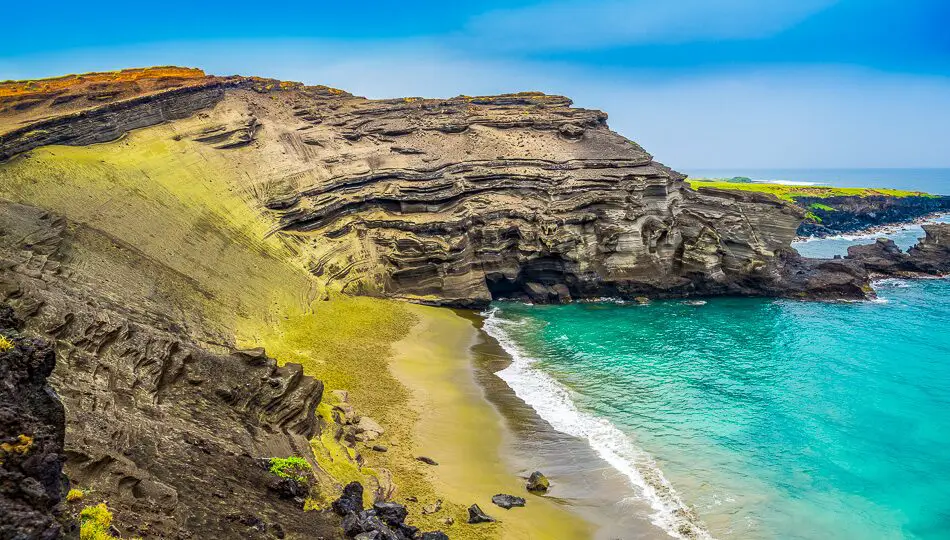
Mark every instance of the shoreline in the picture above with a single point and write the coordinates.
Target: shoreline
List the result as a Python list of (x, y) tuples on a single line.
[(461, 430), (873, 232), (487, 441)]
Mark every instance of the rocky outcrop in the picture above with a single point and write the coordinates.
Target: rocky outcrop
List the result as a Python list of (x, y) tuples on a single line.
[(845, 214), (163, 428), (465, 200), (32, 431), (385, 520), (931, 256)]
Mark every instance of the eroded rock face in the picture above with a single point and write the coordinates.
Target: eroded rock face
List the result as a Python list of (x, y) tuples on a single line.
[(931, 255), (163, 429), (464, 200), (32, 429)]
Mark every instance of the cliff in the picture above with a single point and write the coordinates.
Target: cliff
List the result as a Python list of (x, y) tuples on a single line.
[(456, 201), (834, 210)]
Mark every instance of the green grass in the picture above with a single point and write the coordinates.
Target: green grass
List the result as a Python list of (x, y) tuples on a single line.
[(790, 193)]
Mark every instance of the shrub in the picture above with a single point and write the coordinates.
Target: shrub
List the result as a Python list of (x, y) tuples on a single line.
[(74, 495), (5, 343), (296, 468), (94, 523)]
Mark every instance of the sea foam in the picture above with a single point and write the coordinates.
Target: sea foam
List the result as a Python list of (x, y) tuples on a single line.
[(553, 403)]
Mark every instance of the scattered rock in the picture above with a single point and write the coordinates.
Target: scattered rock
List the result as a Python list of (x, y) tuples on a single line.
[(435, 535), (507, 501), (427, 460), (351, 501), (412, 499), (432, 508), (449, 521), (368, 429), (342, 396), (345, 414), (390, 512), (538, 482), (475, 515), (379, 448)]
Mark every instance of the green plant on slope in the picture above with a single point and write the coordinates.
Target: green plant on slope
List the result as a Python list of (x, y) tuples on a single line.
[(296, 468), (94, 523), (819, 206)]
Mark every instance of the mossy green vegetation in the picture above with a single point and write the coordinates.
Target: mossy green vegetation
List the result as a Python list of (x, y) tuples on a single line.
[(94, 523), (790, 193), (75, 495), (295, 468), (819, 206)]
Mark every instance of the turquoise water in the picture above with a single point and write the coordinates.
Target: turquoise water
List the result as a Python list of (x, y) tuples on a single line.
[(767, 418)]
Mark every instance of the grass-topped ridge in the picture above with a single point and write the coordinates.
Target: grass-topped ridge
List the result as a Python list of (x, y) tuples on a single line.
[(791, 193)]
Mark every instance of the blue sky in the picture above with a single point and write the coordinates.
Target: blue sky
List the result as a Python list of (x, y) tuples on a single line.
[(700, 83)]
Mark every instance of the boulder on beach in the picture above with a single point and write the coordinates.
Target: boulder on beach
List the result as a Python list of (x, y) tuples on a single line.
[(538, 482), (475, 515), (507, 501)]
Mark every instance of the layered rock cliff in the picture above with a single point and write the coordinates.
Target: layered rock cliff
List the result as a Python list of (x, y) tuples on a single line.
[(456, 201), (166, 430)]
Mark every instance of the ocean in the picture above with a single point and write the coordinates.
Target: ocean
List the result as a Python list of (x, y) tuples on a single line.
[(745, 418), (935, 181)]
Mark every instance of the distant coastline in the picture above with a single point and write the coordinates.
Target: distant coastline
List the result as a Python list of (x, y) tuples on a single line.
[(931, 180)]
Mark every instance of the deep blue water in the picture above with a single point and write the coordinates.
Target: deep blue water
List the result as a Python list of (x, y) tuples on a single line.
[(766, 418), (936, 181)]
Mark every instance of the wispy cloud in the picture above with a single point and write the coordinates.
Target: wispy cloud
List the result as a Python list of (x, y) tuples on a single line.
[(586, 24)]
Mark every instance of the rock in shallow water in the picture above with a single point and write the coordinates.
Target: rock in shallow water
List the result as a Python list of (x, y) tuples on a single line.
[(538, 482)]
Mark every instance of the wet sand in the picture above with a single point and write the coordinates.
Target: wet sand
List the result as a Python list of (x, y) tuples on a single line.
[(488, 441)]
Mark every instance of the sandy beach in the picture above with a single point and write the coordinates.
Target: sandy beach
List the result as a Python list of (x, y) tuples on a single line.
[(487, 441)]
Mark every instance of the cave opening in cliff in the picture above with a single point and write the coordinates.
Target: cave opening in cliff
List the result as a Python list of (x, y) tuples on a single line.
[(542, 279)]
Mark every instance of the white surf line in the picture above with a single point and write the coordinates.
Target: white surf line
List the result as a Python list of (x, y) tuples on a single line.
[(553, 403)]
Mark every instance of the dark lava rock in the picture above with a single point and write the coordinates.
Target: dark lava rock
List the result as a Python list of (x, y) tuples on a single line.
[(379, 448), (538, 482), (475, 515), (289, 488), (390, 512), (351, 501), (507, 501), (435, 535), (32, 432), (427, 460)]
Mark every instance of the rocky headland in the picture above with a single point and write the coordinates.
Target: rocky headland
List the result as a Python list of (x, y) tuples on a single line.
[(831, 211), (213, 261)]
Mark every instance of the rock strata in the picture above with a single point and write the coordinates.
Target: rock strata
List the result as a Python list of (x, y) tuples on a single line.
[(465, 200), (155, 423)]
